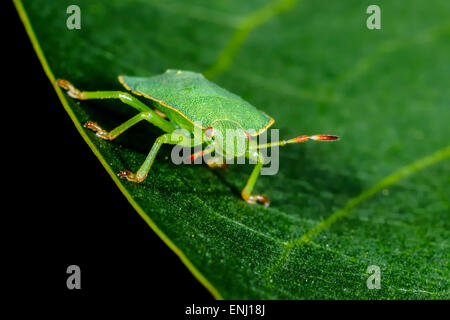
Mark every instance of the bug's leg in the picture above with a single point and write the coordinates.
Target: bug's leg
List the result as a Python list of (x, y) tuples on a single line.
[(111, 135), (216, 162), (208, 149), (141, 174), (247, 191), (213, 162), (150, 116), (125, 97), (318, 137)]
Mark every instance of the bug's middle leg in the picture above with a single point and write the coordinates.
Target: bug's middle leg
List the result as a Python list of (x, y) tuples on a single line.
[(111, 135), (142, 172)]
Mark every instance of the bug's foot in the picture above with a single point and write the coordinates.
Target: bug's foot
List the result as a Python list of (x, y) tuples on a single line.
[(71, 90), (130, 176), (99, 131), (216, 163), (223, 166), (258, 198)]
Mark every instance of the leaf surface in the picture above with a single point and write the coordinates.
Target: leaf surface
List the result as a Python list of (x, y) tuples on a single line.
[(380, 196)]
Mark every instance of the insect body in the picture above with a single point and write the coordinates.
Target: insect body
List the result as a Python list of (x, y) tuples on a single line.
[(187, 100)]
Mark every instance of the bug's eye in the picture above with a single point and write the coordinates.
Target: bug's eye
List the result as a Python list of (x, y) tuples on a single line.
[(209, 132)]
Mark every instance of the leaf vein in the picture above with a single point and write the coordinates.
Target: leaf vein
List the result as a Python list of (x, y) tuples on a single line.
[(403, 172), (250, 22)]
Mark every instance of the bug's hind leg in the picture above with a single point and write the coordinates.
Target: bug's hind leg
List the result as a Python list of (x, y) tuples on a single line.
[(142, 172), (247, 191), (145, 112)]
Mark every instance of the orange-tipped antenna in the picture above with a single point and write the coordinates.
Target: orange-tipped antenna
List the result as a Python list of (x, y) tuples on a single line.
[(317, 137)]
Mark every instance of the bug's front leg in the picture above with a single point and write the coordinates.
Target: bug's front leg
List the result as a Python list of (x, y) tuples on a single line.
[(247, 191)]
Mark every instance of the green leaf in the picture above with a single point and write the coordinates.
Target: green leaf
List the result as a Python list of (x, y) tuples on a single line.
[(380, 196)]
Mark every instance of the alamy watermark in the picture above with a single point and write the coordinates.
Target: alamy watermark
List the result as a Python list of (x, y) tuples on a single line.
[(74, 279), (374, 280), (227, 146), (373, 22), (73, 21)]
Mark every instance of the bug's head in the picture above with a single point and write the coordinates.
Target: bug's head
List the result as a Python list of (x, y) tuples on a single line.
[(230, 139)]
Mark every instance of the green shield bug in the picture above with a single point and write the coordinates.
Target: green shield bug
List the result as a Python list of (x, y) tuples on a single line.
[(186, 100)]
